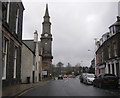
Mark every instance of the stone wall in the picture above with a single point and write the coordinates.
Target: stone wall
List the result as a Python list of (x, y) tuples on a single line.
[(14, 40), (27, 64)]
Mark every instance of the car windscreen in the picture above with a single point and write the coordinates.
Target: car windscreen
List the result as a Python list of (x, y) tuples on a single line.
[(91, 76), (109, 75)]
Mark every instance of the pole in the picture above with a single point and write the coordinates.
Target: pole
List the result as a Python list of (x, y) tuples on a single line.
[(0, 49), (95, 57)]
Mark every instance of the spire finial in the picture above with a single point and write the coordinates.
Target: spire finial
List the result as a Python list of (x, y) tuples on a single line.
[(35, 32), (46, 12)]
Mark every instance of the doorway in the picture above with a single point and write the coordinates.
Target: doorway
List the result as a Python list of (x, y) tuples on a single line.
[(33, 76)]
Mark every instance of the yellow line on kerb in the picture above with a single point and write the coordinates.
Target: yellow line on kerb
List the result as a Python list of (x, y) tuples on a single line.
[(23, 93)]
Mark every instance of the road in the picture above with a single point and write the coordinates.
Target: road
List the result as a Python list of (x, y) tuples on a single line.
[(70, 87)]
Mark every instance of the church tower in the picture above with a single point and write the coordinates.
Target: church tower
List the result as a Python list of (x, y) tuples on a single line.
[(46, 43)]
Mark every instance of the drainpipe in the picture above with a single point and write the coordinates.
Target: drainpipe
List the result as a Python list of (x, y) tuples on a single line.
[(0, 49)]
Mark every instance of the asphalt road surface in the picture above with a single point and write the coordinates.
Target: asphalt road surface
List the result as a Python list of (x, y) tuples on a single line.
[(70, 87)]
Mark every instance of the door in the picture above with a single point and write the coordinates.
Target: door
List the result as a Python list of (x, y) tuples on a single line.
[(117, 69), (33, 76)]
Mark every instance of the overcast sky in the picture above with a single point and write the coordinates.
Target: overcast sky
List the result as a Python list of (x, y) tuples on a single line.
[(74, 26)]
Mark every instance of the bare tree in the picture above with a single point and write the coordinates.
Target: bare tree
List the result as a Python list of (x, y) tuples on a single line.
[(59, 66)]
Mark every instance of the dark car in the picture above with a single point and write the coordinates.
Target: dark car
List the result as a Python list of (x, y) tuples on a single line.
[(103, 80), (60, 77)]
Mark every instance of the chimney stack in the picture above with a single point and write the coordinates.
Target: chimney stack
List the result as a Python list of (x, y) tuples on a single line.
[(35, 36), (118, 18)]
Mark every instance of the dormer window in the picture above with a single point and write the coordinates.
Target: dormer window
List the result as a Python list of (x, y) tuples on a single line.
[(108, 35), (110, 32), (114, 29)]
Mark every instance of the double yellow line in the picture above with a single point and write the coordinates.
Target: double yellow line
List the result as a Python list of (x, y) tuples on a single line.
[(23, 93)]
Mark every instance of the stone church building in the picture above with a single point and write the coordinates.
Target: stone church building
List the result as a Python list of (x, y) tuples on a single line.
[(39, 54), (46, 43)]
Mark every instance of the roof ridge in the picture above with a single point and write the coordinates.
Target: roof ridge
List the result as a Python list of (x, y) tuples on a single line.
[(28, 40)]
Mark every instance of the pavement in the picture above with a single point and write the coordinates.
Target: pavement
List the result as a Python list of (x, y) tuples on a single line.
[(17, 89)]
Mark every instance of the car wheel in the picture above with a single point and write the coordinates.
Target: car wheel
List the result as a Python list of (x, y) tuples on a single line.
[(94, 84), (87, 83), (82, 81)]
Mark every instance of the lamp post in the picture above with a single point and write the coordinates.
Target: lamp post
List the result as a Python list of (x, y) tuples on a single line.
[(96, 70), (41, 52), (92, 60)]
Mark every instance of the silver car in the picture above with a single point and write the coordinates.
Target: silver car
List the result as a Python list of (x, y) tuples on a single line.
[(82, 77), (89, 78)]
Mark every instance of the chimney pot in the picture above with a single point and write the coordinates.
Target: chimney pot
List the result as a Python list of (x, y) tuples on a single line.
[(118, 18)]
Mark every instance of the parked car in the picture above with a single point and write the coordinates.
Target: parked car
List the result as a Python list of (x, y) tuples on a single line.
[(82, 76), (103, 80), (89, 78), (65, 76), (60, 77), (70, 76)]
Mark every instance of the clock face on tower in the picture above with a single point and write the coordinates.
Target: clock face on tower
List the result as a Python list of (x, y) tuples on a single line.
[(46, 35)]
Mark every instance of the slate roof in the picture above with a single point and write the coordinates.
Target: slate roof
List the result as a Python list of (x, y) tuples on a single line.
[(30, 45)]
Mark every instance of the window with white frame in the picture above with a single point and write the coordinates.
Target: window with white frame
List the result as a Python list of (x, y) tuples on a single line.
[(5, 46), (15, 61), (8, 10), (114, 29), (111, 31), (115, 49), (17, 18)]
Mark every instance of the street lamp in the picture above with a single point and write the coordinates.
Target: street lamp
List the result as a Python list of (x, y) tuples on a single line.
[(96, 71)]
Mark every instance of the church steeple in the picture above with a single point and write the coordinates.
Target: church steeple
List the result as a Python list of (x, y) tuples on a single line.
[(46, 23), (46, 17), (46, 12), (46, 42)]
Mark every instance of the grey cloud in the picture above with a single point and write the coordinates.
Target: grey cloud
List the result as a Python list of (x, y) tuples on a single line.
[(74, 27)]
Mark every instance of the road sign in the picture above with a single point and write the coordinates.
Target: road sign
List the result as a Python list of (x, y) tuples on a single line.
[(44, 72)]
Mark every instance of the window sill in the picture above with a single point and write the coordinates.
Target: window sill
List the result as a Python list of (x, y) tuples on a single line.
[(3, 78)]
